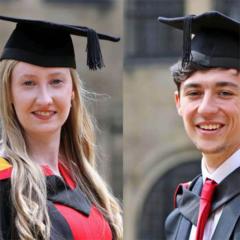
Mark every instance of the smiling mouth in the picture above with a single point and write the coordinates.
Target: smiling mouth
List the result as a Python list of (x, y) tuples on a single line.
[(44, 113), (210, 127)]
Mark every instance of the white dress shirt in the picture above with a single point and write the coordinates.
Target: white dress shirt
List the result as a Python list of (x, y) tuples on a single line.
[(227, 167)]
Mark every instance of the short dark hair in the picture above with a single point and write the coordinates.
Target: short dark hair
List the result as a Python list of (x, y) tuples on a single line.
[(180, 73)]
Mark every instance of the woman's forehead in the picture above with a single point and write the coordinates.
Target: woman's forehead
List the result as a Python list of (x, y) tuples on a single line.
[(23, 68)]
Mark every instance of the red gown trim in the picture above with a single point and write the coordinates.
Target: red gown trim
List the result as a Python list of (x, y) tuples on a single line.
[(6, 173), (5, 169), (92, 227)]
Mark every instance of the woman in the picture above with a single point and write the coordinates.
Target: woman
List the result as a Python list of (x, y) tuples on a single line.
[(49, 186)]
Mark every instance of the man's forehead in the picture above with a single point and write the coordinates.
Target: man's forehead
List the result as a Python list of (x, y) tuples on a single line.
[(213, 76)]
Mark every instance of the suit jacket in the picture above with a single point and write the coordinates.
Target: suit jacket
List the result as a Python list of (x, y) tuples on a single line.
[(227, 195)]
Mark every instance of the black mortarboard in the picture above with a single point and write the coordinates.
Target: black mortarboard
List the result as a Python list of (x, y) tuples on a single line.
[(49, 44), (216, 42)]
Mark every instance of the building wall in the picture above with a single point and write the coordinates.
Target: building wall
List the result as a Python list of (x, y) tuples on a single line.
[(155, 143), (107, 83)]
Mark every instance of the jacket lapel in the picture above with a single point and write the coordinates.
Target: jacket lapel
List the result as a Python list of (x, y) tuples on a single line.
[(59, 192), (228, 219), (184, 229), (189, 201), (227, 194), (227, 189), (188, 205)]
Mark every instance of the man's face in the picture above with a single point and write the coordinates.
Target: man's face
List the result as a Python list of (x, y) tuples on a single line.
[(209, 103)]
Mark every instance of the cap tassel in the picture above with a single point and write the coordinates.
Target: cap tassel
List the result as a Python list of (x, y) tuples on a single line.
[(187, 57), (94, 55)]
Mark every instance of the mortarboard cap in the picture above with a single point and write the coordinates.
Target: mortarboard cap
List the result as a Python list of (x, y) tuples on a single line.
[(49, 44), (216, 41)]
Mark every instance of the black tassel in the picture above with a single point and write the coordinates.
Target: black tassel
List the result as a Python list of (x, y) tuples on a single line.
[(94, 55), (187, 57)]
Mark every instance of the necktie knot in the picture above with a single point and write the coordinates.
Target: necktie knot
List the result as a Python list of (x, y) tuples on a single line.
[(208, 190)]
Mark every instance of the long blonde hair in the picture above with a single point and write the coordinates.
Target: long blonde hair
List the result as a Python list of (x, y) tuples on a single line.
[(28, 187)]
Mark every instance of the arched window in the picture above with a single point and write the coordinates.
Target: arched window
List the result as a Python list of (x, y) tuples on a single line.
[(159, 201)]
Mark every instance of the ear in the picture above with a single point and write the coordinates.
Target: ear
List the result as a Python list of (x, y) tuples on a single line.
[(178, 102)]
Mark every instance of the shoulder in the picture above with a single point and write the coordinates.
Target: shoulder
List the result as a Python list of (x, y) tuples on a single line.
[(5, 169)]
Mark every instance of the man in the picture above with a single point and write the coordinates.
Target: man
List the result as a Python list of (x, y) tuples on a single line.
[(208, 100)]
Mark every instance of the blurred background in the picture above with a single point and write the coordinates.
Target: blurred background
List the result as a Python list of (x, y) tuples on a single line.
[(106, 17), (157, 152)]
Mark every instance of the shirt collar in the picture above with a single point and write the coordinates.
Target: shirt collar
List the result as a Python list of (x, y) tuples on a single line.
[(227, 167)]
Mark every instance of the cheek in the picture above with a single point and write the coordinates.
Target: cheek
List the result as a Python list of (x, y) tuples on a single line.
[(188, 116), (18, 100), (233, 115), (64, 98), (20, 108), (188, 109)]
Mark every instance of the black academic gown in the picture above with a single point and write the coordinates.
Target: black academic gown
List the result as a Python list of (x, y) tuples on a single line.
[(227, 195), (57, 192)]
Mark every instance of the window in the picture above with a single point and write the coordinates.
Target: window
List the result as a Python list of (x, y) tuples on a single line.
[(145, 37)]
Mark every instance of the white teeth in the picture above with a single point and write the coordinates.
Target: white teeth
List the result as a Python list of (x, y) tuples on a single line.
[(43, 113), (210, 126)]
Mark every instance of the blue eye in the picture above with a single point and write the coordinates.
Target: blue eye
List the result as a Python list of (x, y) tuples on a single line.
[(225, 93), (56, 81), (193, 93), (29, 83)]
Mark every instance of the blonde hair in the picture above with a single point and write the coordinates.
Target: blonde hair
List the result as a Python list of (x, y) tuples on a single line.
[(28, 187)]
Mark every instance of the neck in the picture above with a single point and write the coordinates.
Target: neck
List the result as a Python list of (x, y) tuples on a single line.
[(44, 150), (212, 163), (214, 160)]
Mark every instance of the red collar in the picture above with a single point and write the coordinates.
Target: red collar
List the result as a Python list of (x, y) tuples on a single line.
[(6, 171), (63, 171)]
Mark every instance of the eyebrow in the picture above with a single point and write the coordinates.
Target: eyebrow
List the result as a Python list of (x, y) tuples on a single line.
[(191, 85), (56, 74), (34, 76), (27, 76), (227, 84), (218, 84)]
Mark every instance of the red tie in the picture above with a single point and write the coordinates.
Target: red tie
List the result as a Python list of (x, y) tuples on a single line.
[(205, 206)]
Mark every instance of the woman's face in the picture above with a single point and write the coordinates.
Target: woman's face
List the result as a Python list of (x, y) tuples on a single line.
[(41, 97)]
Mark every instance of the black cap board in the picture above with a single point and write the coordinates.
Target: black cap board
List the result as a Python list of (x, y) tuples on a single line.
[(216, 41), (49, 44)]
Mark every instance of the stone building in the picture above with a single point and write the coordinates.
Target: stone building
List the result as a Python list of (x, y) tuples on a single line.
[(157, 152), (105, 16)]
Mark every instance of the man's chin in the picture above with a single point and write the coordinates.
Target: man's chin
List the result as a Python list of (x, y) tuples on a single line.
[(210, 150)]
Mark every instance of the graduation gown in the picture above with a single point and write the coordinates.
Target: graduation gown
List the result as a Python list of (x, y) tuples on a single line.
[(227, 195), (72, 215)]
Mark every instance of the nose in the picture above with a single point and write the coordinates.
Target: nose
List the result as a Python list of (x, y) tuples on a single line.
[(44, 96), (207, 105)]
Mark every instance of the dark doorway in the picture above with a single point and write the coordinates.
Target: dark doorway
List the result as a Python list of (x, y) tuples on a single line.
[(159, 201)]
